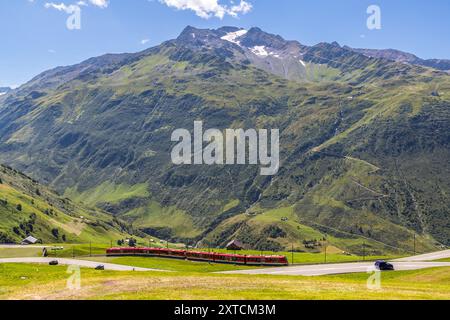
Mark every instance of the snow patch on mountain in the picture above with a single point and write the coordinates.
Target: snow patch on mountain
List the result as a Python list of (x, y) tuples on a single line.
[(260, 51), (232, 36), (276, 55), (303, 63)]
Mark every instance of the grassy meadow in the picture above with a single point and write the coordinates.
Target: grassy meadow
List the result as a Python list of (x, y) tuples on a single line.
[(45, 282), (199, 280)]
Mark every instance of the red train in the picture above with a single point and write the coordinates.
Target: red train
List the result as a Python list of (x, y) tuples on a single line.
[(200, 256)]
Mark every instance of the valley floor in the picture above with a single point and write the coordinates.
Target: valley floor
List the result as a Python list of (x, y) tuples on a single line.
[(186, 280), (31, 281)]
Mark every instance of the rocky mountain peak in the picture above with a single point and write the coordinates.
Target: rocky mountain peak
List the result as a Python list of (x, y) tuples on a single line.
[(255, 37), (191, 34)]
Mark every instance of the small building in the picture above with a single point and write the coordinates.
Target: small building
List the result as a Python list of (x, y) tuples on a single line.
[(29, 240), (234, 245)]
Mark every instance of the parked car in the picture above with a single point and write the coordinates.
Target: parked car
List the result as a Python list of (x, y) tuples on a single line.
[(54, 263), (100, 267), (384, 266)]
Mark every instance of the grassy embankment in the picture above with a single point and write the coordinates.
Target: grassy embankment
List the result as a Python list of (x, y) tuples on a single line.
[(28, 208)]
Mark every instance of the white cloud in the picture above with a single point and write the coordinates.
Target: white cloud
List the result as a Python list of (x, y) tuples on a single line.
[(100, 3), (63, 7), (71, 8), (145, 41), (209, 8), (243, 7)]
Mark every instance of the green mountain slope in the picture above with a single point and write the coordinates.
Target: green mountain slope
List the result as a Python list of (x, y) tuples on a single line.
[(364, 141), (28, 208)]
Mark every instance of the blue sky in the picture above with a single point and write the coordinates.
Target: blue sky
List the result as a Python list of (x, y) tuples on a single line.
[(35, 38)]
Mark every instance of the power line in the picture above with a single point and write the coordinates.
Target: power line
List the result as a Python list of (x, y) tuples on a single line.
[(353, 235)]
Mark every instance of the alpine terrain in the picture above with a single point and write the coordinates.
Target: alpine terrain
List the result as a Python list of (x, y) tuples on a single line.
[(364, 143)]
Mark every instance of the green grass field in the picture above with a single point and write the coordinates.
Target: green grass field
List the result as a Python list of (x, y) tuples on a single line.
[(108, 192), (45, 282), (20, 252), (198, 280), (68, 250)]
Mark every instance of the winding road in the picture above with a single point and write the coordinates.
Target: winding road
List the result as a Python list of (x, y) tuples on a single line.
[(423, 261), (428, 256), (73, 262), (341, 268)]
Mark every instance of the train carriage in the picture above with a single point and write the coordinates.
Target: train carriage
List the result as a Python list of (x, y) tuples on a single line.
[(250, 260)]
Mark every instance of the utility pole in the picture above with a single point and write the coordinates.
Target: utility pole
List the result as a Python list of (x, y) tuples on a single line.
[(292, 253), (364, 251), (326, 248), (414, 243)]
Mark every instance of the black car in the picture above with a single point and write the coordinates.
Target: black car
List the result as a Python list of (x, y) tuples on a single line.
[(53, 263), (100, 267), (384, 266)]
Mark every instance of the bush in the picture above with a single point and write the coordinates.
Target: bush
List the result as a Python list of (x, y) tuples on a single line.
[(55, 233), (132, 242), (4, 238), (274, 232)]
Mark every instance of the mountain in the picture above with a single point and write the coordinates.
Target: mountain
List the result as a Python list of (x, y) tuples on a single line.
[(400, 56), (364, 142), (4, 90), (28, 208)]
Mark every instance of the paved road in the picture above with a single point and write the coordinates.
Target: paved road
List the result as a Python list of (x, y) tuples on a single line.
[(428, 257), (403, 264), (81, 263), (341, 268)]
